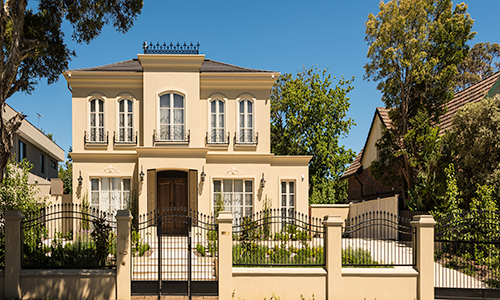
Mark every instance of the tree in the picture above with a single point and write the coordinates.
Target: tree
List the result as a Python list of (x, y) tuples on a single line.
[(475, 138), (33, 48), (66, 173), (482, 61), (16, 193), (414, 49), (308, 117)]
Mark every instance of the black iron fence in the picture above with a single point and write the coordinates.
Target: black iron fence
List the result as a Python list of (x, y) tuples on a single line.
[(377, 238), (174, 251), (67, 236), (467, 251), (2, 242), (278, 238)]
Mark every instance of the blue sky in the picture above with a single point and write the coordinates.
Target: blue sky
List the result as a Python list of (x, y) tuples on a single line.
[(273, 35)]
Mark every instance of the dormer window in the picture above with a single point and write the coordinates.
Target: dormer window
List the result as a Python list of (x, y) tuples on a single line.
[(125, 121), (217, 123), (172, 118), (96, 130)]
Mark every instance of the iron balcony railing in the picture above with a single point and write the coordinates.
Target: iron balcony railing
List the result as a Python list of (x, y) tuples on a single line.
[(169, 137), (246, 137), (125, 138), (95, 137), (217, 138)]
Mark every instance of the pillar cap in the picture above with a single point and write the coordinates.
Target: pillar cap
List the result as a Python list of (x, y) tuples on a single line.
[(14, 214), (123, 214), (331, 220), (225, 217), (423, 221)]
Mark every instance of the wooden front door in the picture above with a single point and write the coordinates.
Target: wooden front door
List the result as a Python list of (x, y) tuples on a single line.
[(173, 205)]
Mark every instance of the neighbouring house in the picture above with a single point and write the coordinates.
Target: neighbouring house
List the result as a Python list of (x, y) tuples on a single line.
[(44, 154), (179, 130), (362, 186)]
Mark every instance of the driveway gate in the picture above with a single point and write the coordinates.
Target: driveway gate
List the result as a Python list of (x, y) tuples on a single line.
[(467, 255), (174, 252)]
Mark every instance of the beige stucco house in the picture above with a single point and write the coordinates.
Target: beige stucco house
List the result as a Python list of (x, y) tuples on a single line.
[(180, 130)]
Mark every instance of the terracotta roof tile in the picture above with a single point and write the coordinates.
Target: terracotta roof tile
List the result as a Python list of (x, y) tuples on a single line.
[(354, 167), (471, 94), (384, 115)]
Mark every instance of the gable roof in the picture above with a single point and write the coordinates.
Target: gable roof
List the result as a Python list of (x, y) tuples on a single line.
[(133, 65), (472, 94), (383, 114)]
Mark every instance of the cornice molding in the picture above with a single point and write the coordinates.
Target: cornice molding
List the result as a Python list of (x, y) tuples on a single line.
[(77, 79), (238, 81)]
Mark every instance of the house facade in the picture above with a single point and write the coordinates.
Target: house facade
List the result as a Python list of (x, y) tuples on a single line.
[(361, 185), (29, 143), (179, 130)]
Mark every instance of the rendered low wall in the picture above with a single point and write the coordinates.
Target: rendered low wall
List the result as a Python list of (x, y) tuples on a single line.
[(68, 284), (398, 283), (321, 210), (286, 283)]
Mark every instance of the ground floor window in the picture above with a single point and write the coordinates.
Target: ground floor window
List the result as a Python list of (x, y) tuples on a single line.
[(109, 194), (288, 198), (237, 195)]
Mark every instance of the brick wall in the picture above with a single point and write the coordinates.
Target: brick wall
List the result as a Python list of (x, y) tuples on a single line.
[(369, 188)]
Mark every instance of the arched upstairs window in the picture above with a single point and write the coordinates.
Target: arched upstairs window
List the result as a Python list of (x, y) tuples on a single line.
[(217, 122), (245, 124), (125, 121), (172, 118), (96, 130)]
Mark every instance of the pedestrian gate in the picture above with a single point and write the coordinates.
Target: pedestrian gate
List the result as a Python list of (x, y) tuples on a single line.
[(174, 252)]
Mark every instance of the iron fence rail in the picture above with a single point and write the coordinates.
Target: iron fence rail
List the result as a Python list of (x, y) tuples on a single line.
[(278, 237), (378, 238), (67, 236), (467, 251)]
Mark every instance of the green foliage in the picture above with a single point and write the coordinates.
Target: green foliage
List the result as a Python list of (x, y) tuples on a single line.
[(138, 246), (475, 138), (201, 249), (357, 256), (16, 193), (66, 174), (427, 161), (85, 211), (308, 116), (102, 238), (482, 61), (414, 49)]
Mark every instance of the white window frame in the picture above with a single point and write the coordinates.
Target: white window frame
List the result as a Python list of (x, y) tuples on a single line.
[(287, 209), (245, 132), (169, 135), (238, 210), (217, 134), (108, 207), (96, 136), (128, 135)]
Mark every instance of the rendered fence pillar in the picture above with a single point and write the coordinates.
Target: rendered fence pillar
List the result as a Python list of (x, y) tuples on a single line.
[(424, 243), (123, 255), (333, 259), (225, 221), (13, 253)]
